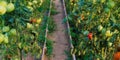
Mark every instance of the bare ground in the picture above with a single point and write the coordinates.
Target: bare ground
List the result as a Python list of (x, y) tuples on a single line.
[(59, 37)]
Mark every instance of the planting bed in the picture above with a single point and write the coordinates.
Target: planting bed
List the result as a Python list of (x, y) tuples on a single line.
[(95, 28), (22, 28)]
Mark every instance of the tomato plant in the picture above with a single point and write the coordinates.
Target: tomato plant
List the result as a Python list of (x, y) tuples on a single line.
[(19, 35), (101, 17)]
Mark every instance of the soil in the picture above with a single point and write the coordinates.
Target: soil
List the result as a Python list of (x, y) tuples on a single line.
[(59, 36)]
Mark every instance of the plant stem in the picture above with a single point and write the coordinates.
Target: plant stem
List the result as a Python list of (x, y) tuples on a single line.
[(20, 54)]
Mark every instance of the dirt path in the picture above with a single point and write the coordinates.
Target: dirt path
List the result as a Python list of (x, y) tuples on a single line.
[(59, 35)]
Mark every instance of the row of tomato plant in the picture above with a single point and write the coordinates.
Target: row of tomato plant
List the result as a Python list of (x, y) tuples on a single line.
[(22, 28), (95, 28)]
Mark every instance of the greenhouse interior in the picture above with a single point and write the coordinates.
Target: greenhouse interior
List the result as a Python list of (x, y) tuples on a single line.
[(59, 29)]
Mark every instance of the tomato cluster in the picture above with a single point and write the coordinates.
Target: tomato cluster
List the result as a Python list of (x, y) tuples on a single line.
[(6, 7)]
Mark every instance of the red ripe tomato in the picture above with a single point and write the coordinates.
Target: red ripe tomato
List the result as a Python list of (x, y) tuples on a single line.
[(90, 35)]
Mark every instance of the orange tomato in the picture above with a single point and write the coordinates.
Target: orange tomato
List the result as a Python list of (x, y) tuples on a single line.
[(82, 17), (9, 56), (117, 56), (33, 20)]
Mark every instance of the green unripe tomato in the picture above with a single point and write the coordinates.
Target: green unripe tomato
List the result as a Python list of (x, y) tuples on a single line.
[(111, 4), (10, 7), (109, 44), (3, 3), (29, 26), (108, 33), (102, 1), (107, 10), (86, 32), (13, 32), (1, 38), (30, 8), (103, 31), (2, 10), (100, 27), (6, 39), (6, 29)]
